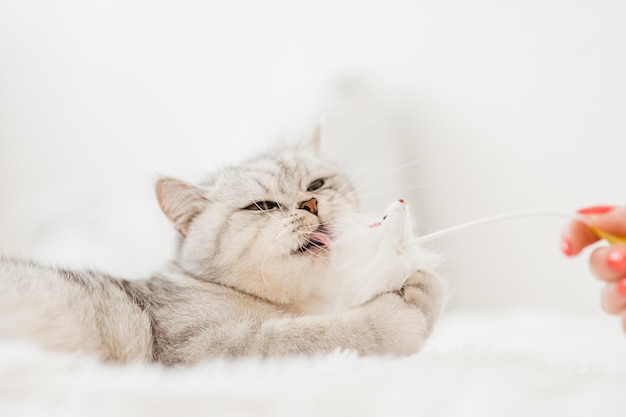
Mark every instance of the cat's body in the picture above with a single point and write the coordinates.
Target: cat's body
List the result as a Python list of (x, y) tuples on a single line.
[(267, 265)]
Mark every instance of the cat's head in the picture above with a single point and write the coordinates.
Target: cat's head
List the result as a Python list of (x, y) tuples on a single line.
[(263, 226)]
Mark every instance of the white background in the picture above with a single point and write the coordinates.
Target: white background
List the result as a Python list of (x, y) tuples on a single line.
[(500, 105)]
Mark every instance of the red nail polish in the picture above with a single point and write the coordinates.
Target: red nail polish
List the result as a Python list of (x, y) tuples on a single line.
[(616, 259), (595, 210), (621, 287), (401, 200), (566, 247)]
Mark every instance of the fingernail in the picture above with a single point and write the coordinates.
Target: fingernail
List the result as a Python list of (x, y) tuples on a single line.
[(621, 287), (595, 210), (616, 259), (401, 200), (566, 247)]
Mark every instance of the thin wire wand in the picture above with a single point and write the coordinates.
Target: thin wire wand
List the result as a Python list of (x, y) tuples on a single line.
[(515, 215)]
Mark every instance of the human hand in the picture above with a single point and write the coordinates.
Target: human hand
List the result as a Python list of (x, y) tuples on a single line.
[(607, 263)]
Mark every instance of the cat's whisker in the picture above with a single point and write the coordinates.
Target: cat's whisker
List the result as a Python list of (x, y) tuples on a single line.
[(363, 171), (350, 222), (349, 192), (394, 191), (385, 173)]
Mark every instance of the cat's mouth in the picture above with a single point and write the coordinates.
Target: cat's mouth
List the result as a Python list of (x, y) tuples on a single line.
[(317, 242)]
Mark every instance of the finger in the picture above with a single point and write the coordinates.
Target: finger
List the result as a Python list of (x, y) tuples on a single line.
[(609, 263), (613, 298), (612, 221), (575, 236)]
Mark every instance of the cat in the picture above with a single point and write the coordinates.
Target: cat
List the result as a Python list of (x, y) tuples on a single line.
[(273, 259)]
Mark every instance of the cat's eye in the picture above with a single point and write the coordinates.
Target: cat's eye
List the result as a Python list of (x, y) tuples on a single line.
[(262, 206), (315, 185)]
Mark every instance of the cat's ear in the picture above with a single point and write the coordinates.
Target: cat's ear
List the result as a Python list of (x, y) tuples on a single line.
[(314, 143), (180, 202)]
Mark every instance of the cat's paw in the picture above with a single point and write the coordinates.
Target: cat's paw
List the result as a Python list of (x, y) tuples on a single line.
[(402, 320), (425, 291), (394, 326)]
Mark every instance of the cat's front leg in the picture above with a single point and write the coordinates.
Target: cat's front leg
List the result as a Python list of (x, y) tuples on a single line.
[(395, 322), (391, 323)]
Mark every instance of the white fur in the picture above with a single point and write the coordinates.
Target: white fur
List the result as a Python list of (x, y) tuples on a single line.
[(370, 256), (517, 364)]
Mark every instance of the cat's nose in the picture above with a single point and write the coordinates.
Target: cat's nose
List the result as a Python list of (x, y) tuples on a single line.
[(309, 205)]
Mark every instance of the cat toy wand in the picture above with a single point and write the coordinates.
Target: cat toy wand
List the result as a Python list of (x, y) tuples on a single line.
[(444, 232)]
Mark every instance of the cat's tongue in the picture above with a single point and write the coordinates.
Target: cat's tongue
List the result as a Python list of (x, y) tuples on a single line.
[(319, 239)]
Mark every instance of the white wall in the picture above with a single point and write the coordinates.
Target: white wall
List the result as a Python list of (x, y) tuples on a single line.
[(505, 106)]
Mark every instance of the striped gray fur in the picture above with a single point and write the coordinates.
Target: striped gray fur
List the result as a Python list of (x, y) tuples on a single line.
[(244, 282)]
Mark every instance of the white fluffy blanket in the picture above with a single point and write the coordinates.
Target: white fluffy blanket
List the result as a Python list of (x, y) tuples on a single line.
[(524, 363)]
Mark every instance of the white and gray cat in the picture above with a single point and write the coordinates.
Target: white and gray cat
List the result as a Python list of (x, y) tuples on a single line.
[(273, 260)]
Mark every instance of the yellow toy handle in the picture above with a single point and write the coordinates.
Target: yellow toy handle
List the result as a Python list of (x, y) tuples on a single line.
[(615, 240)]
